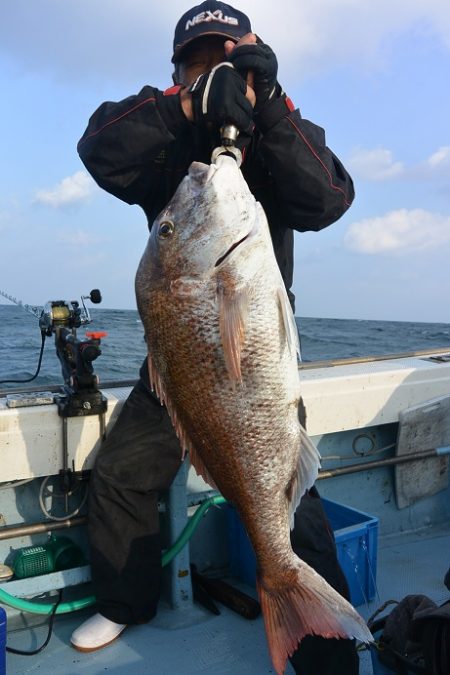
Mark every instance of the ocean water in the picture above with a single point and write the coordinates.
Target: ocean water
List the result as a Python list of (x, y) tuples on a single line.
[(123, 349)]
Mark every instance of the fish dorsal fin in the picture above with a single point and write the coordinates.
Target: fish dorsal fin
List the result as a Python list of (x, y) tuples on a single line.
[(186, 445), (233, 310), (306, 474), (200, 467), (288, 320)]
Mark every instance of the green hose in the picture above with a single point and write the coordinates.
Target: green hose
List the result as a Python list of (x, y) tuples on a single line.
[(44, 608), (168, 556), (190, 528)]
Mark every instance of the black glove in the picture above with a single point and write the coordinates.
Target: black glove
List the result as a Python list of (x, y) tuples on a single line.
[(219, 97), (261, 60)]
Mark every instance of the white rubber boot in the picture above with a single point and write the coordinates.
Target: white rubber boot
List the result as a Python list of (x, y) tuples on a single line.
[(96, 633)]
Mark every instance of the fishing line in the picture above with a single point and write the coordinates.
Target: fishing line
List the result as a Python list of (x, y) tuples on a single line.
[(30, 379)]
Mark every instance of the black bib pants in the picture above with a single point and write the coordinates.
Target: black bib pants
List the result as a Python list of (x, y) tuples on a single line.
[(139, 459)]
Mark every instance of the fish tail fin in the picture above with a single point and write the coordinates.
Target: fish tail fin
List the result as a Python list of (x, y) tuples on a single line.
[(309, 606)]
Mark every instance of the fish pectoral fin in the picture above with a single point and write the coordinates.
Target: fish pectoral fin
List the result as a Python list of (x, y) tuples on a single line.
[(306, 474), (233, 311), (288, 321)]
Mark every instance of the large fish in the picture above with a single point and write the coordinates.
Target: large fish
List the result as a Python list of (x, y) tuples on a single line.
[(222, 347)]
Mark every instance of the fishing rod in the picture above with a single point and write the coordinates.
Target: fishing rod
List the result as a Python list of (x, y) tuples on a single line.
[(31, 309), (56, 311), (61, 318), (36, 312)]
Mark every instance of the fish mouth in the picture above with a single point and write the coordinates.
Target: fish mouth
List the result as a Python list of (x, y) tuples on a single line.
[(231, 249)]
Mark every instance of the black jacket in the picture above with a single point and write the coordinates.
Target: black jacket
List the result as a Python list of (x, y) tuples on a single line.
[(140, 149)]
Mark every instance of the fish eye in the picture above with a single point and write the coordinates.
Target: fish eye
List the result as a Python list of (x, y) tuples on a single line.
[(166, 228)]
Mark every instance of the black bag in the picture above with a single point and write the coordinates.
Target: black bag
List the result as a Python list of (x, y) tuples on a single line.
[(415, 637)]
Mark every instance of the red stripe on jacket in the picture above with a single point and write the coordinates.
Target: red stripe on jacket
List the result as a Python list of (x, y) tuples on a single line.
[(152, 99), (327, 171)]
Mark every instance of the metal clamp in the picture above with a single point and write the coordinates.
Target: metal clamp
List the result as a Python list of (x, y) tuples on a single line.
[(227, 150), (228, 136)]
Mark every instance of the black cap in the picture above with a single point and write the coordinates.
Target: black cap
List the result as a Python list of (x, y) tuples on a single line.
[(209, 18)]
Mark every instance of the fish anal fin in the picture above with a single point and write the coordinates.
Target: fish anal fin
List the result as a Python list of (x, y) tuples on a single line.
[(233, 311), (307, 606), (306, 473)]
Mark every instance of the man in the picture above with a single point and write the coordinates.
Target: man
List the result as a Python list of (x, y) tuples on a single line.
[(139, 150)]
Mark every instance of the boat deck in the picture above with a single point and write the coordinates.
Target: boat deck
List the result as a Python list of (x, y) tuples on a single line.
[(195, 642)]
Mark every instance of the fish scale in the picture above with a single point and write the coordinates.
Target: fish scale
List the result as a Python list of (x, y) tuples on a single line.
[(222, 354)]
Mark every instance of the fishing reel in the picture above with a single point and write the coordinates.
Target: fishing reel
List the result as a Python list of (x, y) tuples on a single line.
[(59, 313), (76, 356)]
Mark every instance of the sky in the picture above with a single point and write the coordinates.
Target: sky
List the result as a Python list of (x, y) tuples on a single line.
[(374, 75)]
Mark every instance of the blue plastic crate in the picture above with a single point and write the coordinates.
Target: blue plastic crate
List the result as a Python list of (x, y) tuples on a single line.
[(356, 535), (2, 641)]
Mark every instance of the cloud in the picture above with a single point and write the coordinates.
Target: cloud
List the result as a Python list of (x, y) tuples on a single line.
[(441, 158), (71, 190), (376, 165), (398, 232), (78, 238), (138, 33)]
